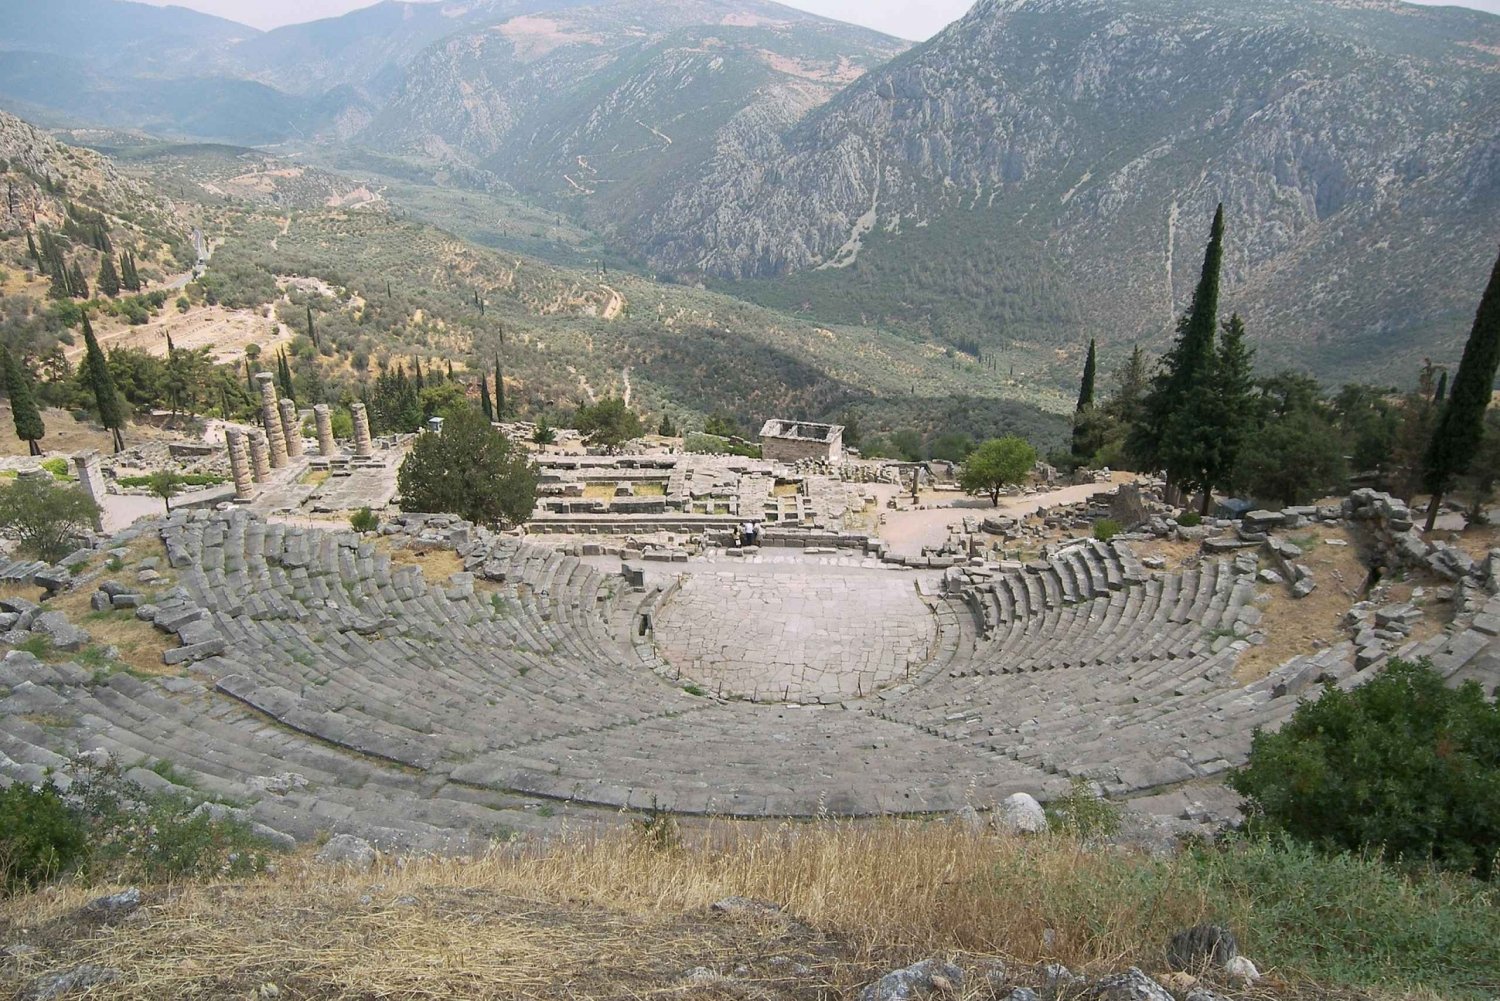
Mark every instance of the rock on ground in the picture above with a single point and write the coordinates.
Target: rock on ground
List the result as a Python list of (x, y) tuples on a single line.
[(349, 851), (1021, 814), (914, 981)]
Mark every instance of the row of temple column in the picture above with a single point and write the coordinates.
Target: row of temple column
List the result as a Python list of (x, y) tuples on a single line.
[(253, 454)]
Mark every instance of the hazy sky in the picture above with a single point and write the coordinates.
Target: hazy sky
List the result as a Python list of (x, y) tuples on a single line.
[(917, 19)]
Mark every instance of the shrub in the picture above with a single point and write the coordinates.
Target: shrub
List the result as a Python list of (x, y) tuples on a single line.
[(998, 463), (40, 837), (543, 434), (57, 466), (471, 470), (1403, 765), (1083, 812), (1190, 519), (47, 517), (1106, 529), (364, 520)]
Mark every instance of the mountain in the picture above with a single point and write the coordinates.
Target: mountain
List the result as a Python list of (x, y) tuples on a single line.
[(113, 35), (66, 189), (1045, 171), (615, 102)]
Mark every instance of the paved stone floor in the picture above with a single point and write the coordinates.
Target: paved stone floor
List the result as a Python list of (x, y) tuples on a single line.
[(795, 637)]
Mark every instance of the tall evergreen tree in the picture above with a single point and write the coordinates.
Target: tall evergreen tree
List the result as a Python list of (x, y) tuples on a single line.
[(450, 370), (1233, 402), (499, 389), (416, 374), (1087, 428), (28, 419), (78, 286), (130, 278), (60, 287), (108, 282), (1460, 427), (1442, 388), (250, 380), (98, 378), (1086, 386), (284, 377), (312, 330), (484, 398), (31, 250), (1175, 434)]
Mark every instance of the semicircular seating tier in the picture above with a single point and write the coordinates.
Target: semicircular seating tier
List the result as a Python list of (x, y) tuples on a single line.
[(342, 691)]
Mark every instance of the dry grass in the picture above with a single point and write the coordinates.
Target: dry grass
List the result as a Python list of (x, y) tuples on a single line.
[(437, 564), (1179, 554), (1296, 626), (599, 491), (618, 917)]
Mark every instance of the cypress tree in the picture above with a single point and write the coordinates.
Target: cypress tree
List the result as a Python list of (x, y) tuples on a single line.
[(416, 374), (28, 419), (249, 380), (59, 289), (1442, 388), (108, 282), (76, 283), (1232, 397), (484, 399), (284, 376), (499, 389), (106, 398), (1460, 427), (312, 331), (450, 370), (131, 277), (1176, 432), (31, 250), (1086, 387)]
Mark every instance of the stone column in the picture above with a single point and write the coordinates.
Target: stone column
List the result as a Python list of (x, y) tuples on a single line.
[(260, 456), (323, 414), (91, 478), (293, 428), (270, 418), (239, 464), (362, 444)]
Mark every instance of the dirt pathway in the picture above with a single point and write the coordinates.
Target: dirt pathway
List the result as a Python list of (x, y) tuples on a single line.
[(616, 304), (906, 532)]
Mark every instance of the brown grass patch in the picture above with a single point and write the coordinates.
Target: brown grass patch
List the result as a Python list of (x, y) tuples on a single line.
[(617, 917), (1297, 626), (1179, 554), (438, 564)]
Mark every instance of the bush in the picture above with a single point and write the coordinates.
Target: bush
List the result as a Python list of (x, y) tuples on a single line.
[(364, 520), (471, 470), (1190, 519), (1402, 765), (47, 517), (58, 467), (1106, 529), (1083, 812), (40, 837)]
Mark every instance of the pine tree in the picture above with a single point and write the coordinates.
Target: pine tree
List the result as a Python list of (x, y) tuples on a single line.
[(28, 419), (1173, 435), (108, 282), (76, 283), (484, 399), (106, 397), (1460, 427)]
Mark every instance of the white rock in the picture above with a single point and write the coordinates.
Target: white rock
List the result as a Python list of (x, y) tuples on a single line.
[(347, 850), (1020, 813), (1241, 970)]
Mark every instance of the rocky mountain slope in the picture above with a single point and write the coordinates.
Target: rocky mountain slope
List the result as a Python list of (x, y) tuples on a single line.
[(46, 183), (1071, 152)]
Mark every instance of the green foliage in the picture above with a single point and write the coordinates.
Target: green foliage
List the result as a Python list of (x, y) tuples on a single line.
[(608, 423), (26, 416), (1106, 529), (950, 446), (364, 521), (1190, 519), (182, 480), (998, 463), (1403, 765), (1460, 425), (96, 376), (166, 484), (45, 516), (57, 466), (1292, 459), (40, 837), (1083, 812), (722, 425), (708, 444), (543, 433), (471, 470)]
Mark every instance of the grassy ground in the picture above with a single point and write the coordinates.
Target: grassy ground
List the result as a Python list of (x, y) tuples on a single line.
[(628, 916)]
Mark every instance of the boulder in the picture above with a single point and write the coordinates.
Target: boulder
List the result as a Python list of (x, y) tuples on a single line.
[(63, 634), (1201, 947), (1020, 813), (1132, 985), (919, 979), (348, 852), (114, 906)]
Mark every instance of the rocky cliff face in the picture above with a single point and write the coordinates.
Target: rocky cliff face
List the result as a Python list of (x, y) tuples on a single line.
[(40, 177), (1356, 146)]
